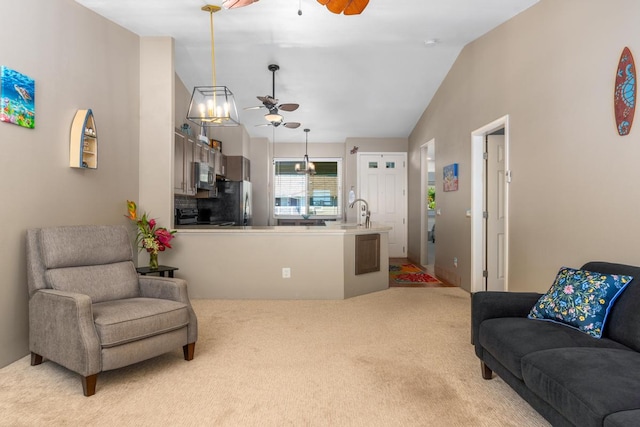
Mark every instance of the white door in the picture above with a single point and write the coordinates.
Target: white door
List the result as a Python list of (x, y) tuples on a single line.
[(382, 182), (495, 213)]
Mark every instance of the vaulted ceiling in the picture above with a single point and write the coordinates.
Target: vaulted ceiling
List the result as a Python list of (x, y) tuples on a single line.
[(367, 75)]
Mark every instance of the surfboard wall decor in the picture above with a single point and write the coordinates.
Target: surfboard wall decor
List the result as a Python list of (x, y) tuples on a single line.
[(624, 96)]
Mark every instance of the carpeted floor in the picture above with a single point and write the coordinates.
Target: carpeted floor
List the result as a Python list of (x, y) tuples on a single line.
[(399, 357)]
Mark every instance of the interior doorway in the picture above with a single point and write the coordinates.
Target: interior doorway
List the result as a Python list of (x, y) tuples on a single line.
[(490, 176), (428, 204)]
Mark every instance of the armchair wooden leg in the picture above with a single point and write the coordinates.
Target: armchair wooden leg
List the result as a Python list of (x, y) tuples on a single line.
[(487, 373), (188, 350), (89, 384), (36, 359)]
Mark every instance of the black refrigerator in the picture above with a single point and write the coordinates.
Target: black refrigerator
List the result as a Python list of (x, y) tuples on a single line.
[(236, 202)]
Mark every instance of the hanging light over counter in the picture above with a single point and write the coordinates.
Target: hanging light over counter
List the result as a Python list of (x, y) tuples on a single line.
[(307, 167), (212, 106)]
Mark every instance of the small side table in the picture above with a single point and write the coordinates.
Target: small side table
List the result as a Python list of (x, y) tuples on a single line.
[(161, 270)]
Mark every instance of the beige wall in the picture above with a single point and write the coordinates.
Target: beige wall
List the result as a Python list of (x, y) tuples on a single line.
[(573, 197), (78, 60)]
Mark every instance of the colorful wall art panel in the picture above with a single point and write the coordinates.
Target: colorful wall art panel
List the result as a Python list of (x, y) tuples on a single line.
[(17, 98), (450, 177), (624, 96)]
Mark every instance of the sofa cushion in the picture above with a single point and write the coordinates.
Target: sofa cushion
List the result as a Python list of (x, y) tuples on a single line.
[(73, 246), (122, 321), (623, 419), (101, 282), (585, 384), (624, 317), (580, 299), (509, 339)]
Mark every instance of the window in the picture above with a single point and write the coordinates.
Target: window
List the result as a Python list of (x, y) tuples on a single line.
[(301, 194)]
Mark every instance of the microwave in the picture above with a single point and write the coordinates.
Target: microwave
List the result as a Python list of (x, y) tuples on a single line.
[(204, 177)]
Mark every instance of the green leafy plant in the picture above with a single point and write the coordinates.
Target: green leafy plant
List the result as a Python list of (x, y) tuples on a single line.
[(431, 197)]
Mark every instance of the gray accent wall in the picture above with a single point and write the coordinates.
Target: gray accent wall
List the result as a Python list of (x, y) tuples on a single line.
[(78, 60)]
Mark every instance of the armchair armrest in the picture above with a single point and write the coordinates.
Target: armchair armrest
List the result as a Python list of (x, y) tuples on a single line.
[(61, 328), (491, 305), (164, 288), (172, 289)]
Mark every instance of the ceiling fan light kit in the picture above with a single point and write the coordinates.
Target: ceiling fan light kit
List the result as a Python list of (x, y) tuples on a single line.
[(212, 106), (271, 117)]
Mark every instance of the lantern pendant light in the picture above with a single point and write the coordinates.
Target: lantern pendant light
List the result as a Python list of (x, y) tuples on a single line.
[(212, 106)]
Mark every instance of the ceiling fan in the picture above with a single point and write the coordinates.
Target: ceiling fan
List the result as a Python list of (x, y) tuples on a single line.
[(271, 104), (348, 7)]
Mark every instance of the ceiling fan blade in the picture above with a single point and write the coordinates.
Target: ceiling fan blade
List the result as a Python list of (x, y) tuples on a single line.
[(356, 7), (288, 107), (264, 124), (257, 107), (337, 6), (348, 7), (232, 4), (291, 125), (267, 100)]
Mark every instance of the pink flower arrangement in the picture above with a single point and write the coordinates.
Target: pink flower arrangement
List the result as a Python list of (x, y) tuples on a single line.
[(150, 237)]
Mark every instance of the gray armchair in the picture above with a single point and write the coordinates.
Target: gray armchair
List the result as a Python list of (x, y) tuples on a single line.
[(89, 311)]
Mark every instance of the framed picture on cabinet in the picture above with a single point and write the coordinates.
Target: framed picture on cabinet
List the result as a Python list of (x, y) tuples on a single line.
[(216, 145)]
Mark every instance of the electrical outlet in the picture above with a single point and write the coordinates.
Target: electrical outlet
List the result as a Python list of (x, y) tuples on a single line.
[(455, 262), (286, 273)]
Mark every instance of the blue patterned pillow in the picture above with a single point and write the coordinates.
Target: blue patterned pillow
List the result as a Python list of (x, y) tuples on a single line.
[(580, 299)]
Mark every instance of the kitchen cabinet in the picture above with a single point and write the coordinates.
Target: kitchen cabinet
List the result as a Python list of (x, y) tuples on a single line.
[(238, 168), (204, 153), (184, 156), (83, 141), (219, 164)]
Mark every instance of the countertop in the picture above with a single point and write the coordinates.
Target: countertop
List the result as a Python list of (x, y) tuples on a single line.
[(334, 228)]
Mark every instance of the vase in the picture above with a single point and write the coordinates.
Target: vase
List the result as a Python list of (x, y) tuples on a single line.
[(153, 260)]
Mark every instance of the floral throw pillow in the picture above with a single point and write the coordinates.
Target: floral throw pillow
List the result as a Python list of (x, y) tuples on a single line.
[(580, 299)]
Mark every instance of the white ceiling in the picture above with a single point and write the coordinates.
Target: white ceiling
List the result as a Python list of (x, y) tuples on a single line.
[(368, 75)]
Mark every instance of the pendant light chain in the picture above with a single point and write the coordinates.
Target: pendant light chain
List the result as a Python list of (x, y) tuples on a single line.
[(213, 54)]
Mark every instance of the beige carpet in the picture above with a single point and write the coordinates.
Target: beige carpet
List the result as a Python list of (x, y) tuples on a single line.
[(400, 357)]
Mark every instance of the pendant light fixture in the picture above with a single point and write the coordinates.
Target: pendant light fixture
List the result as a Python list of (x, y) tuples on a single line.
[(212, 106), (307, 167)]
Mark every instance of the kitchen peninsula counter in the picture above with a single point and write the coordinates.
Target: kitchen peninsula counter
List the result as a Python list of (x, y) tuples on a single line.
[(235, 262), (322, 229)]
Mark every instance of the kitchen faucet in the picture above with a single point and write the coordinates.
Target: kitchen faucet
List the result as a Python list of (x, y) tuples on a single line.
[(367, 220)]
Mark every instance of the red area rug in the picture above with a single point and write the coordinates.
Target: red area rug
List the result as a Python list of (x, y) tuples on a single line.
[(410, 275)]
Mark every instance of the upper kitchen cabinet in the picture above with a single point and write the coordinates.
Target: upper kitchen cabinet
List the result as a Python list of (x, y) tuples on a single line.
[(83, 141), (219, 164), (238, 168), (184, 156)]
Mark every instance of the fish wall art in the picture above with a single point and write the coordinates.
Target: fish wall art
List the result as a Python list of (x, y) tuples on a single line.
[(624, 95), (17, 98)]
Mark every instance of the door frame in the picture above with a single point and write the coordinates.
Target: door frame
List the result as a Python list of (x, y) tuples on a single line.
[(424, 186), (477, 198)]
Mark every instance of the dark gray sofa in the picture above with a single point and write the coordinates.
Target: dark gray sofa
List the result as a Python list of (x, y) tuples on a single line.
[(569, 377)]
